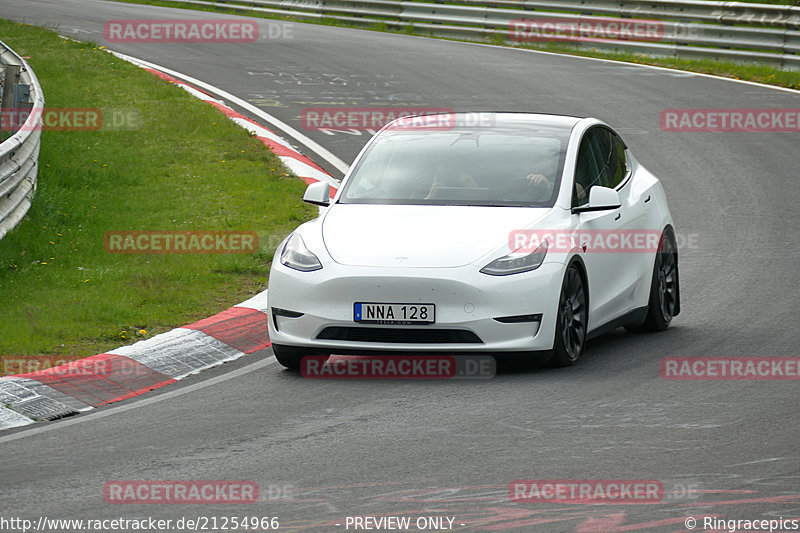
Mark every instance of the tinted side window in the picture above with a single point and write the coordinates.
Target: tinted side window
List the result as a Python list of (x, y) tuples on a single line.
[(602, 141), (601, 161), (619, 164), (589, 167)]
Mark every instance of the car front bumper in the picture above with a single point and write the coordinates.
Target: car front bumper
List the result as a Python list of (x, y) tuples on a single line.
[(468, 306)]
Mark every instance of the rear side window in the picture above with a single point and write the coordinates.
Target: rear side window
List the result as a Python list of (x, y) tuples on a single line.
[(618, 163)]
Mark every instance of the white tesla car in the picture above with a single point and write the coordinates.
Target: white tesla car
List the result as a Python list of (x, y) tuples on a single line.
[(496, 233)]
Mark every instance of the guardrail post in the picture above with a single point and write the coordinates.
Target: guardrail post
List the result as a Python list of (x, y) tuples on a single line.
[(19, 153), (10, 79)]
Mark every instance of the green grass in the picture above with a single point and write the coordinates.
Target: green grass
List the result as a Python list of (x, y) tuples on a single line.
[(183, 166), (776, 2), (743, 71)]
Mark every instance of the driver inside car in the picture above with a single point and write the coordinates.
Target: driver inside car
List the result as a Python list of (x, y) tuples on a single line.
[(450, 177)]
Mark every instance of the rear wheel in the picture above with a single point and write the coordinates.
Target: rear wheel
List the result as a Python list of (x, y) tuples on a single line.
[(290, 356), (571, 320), (664, 289)]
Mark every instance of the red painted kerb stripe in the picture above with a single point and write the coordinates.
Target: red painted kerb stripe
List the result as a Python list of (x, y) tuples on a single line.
[(101, 379), (240, 327)]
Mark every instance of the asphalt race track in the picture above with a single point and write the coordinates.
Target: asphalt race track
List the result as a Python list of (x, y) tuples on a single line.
[(325, 450)]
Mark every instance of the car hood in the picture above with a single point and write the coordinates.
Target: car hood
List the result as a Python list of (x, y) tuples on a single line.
[(419, 236)]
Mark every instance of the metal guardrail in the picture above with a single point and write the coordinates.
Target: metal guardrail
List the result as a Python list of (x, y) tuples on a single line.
[(733, 31), (19, 154)]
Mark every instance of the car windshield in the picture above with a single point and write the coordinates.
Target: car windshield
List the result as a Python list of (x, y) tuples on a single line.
[(462, 166)]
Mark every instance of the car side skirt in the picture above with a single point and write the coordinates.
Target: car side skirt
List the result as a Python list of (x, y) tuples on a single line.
[(635, 317)]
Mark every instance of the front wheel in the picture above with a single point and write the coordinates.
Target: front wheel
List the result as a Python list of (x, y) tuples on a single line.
[(571, 321), (664, 300)]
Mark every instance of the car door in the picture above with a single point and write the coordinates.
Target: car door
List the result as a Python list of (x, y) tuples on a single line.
[(598, 164), (638, 199)]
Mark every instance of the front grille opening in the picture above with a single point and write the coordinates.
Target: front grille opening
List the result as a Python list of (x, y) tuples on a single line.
[(399, 335)]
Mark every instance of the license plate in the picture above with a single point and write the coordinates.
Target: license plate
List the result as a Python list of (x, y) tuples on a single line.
[(375, 313)]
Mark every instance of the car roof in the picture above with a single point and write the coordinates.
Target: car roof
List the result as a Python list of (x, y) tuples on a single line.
[(502, 120)]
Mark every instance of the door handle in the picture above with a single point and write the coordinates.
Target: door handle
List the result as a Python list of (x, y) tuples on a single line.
[(619, 216), (647, 199)]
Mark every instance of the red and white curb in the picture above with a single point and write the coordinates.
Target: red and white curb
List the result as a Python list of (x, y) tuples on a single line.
[(129, 371), (132, 370), (300, 165)]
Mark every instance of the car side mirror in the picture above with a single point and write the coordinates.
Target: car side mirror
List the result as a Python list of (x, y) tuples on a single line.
[(600, 199), (318, 193)]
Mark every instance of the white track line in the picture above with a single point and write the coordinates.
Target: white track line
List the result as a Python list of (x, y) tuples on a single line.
[(337, 163), (628, 63), (258, 365)]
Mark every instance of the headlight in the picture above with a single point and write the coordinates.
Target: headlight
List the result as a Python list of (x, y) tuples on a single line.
[(514, 263), (295, 255)]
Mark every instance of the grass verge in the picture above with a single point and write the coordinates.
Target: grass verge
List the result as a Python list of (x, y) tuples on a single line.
[(740, 71), (176, 164)]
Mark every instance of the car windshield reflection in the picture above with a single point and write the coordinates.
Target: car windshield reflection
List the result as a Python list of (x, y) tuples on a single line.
[(460, 167)]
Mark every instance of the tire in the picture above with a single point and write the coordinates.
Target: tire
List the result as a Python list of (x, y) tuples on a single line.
[(571, 320), (290, 356), (664, 302)]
